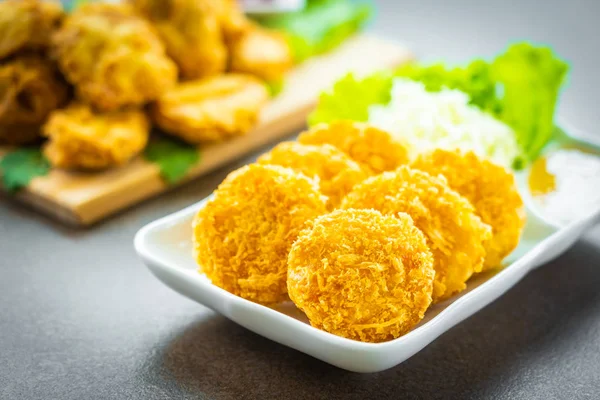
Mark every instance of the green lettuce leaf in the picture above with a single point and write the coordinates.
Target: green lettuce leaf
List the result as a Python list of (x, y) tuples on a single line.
[(350, 98), (20, 166), (321, 26), (530, 79), (174, 158)]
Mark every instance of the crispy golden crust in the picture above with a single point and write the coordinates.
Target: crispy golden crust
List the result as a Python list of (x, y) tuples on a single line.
[(371, 147), (211, 109), (112, 56), (30, 88), (336, 172), (242, 237), (455, 234), (490, 188), (27, 24), (192, 33), (362, 275), (80, 138), (262, 53)]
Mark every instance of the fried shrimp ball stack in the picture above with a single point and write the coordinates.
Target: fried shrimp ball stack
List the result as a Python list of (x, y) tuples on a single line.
[(362, 275), (192, 33), (27, 24), (80, 138), (242, 237), (211, 109), (490, 188), (374, 149), (30, 88), (453, 230), (336, 172), (112, 56)]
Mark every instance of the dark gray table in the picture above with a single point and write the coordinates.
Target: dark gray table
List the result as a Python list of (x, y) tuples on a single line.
[(81, 318)]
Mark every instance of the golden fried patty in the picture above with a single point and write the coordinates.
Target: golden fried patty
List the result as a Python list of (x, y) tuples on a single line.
[(242, 237), (362, 275), (453, 230)]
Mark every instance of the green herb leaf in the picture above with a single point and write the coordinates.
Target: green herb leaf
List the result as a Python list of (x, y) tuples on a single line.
[(350, 98), (19, 167), (321, 26), (275, 87), (173, 157)]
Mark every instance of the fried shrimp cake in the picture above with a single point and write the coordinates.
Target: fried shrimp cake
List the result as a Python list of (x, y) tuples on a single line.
[(80, 138), (453, 230), (211, 109), (243, 236), (336, 172), (30, 88), (490, 188), (371, 147), (362, 275), (192, 33), (27, 24), (112, 56)]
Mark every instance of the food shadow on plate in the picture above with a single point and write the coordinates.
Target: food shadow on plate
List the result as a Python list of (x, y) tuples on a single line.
[(533, 324)]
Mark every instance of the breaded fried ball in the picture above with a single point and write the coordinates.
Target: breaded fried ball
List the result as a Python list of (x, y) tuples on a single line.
[(192, 33), (27, 24), (112, 56), (242, 236), (211, 109), (30, 88), (336, 172), (453, 230), (372, 148), (490, 188), (362, 275), (261, 52), (80, 138)]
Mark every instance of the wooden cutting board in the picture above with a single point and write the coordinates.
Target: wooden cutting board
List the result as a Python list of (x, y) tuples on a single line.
[(82, 198)]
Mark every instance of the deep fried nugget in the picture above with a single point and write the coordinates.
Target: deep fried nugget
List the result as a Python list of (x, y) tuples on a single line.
[(261, 52), (336, 172), (490, 188), (211, 109), (27, 24), (362, 275), (112, 56), (30, 88), (454, 232), (192, 33), (371, 147), (80, 138), (243, 236)]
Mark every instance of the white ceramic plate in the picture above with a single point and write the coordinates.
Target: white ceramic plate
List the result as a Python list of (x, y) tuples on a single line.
[(166, 247)]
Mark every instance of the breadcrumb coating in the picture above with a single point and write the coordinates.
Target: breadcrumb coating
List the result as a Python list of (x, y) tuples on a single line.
[(261, 52), (80, 138), (490, 188), (30, 88), (113, 56), (211, 109), (362, 275), (371, 147), (242, 236), (192, 33), (27, 24), (453, 230), (335, 171)]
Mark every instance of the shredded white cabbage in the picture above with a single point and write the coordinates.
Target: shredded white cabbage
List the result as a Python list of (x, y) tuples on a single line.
[(445, 120)]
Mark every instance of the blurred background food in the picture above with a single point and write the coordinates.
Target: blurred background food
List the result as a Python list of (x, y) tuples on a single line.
[(199, 70)]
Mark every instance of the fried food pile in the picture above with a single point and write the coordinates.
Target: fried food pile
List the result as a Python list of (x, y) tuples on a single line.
[(93, 81), (379, 233)]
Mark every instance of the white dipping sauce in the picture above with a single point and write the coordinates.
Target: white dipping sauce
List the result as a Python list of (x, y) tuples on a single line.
[(577, 186)]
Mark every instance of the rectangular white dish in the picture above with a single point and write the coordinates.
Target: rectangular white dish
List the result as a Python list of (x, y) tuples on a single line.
[(165, 246)]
